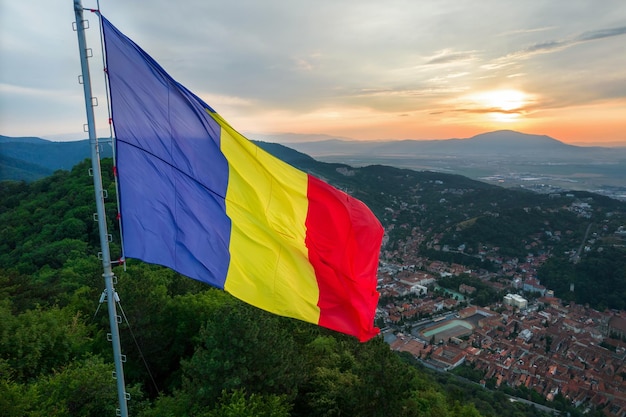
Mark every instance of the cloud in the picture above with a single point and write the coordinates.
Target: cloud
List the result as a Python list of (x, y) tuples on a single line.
[(421, 92), (39, 93), (448, 56), (545, 47), (551, 46), (525, 31), (284, 59), (559, 45), (485, 110), (602, 33)]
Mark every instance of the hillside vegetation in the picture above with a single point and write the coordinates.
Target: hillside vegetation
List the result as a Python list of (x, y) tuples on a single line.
[(196, 351)]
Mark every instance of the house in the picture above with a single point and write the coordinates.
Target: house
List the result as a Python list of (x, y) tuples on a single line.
[(516, 301), (467, 289), (407, 344), (448, 357), (617, 327), (533, 285)]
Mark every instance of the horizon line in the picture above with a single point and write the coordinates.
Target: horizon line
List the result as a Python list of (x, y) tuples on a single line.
[(326, 137)]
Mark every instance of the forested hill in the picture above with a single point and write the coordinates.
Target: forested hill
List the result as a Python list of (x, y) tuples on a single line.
[(207, 354), (30, 158), (192, 350)]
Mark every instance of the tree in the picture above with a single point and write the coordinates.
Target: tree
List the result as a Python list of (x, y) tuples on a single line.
[(241, 346), (548, 343), (238, 404), (37, 342), (85, 388), (16, 400)]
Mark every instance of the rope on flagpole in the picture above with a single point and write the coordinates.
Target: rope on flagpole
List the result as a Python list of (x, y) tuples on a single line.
[(118, 218)]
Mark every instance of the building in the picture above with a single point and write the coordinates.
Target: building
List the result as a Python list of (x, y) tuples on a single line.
[(467, 289), (467, 312), (617, 327), (516, 301), (447, 357), (526, 335), (419, 289), (533, 285)]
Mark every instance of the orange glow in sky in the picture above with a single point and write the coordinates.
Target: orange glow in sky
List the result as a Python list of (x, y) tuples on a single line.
[(601, 123), (357, 69)]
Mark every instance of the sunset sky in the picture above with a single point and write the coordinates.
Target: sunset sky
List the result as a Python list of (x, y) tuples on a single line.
[(356, 69)]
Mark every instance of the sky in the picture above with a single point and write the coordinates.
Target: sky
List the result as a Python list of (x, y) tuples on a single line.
[(358, 69)]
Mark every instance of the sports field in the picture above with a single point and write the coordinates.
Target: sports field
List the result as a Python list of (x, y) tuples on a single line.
[(444, 331)]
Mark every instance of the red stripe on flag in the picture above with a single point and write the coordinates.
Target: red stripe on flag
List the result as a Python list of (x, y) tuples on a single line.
[(343, 238)]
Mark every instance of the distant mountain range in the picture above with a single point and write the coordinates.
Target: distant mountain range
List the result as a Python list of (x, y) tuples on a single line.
[(502, 143), (30, 158), (505, 157)]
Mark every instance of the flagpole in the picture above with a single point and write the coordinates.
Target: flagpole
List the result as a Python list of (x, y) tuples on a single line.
[(111, 295)]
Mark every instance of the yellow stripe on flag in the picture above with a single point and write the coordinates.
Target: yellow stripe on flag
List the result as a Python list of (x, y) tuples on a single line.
[(267, 203)]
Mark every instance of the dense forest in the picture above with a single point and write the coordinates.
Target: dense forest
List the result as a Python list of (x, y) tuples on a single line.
[(191, 350)]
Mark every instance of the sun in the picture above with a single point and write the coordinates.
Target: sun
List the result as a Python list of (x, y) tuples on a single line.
[(501, 105), (505, 100)]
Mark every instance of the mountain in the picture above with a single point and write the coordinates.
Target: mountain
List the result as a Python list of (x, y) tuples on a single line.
[(511, 142), (283, 152), (291, 137), (515, 139), (18, 170), (505, 157), (30, 158), (499, 143)]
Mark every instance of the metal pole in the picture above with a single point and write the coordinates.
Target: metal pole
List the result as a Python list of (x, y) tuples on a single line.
[(99, 193)]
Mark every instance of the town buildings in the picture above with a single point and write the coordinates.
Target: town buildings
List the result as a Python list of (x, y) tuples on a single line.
[(515, 300), (536, 341)]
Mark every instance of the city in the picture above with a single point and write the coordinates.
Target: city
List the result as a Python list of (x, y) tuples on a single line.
[(526, 340)]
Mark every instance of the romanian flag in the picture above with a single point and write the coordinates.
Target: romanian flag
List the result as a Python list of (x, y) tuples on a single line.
[(198, 197)]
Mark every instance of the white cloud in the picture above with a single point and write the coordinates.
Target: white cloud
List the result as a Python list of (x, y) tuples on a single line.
[(289, 57)]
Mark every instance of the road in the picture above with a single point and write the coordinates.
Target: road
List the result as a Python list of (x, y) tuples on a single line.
[(541, 407), (576, 257)]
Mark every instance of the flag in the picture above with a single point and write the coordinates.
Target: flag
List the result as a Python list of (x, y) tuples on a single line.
[(199, 198)]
